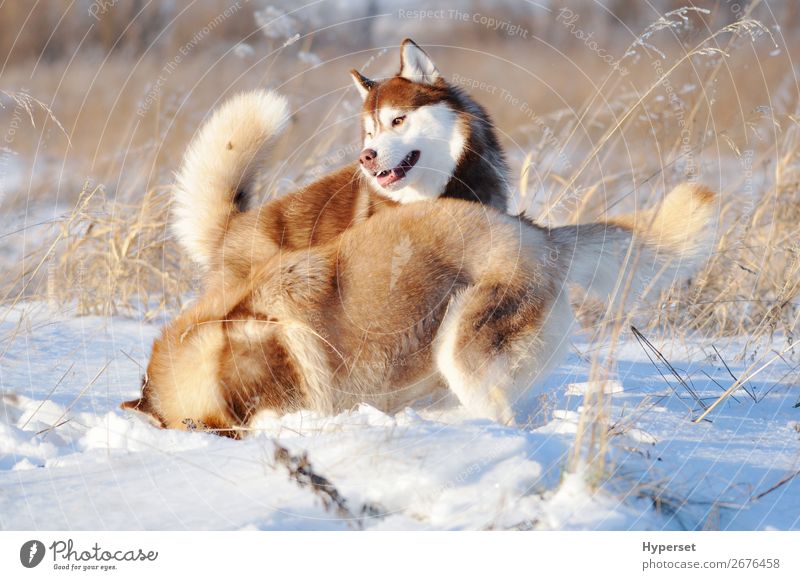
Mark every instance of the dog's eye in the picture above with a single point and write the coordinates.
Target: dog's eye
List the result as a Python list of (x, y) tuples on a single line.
[(397, 121), (369, 135)]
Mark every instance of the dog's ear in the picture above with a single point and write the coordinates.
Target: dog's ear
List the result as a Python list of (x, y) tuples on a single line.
[(144, 406), (363, 84), (416, 65), (134, 405)]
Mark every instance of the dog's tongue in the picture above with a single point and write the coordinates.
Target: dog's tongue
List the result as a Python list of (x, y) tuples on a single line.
[(395, 174)]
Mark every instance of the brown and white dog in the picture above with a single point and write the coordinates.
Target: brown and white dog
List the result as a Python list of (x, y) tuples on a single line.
[(422, 138), (431, 295)]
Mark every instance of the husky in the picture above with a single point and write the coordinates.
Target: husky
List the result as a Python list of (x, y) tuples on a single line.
[(422, 139), (432, 296)]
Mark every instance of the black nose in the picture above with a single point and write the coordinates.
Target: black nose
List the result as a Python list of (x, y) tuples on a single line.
[(368, 157)]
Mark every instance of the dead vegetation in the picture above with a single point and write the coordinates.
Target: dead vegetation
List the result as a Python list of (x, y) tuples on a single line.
[(108, 258), (301, 471)]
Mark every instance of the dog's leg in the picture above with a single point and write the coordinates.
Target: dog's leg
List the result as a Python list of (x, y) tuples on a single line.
[(498, 340)]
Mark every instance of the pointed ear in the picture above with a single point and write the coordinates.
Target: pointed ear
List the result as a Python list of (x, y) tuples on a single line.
[(143, 406), (416, 65), (363, 84), (131, 405)]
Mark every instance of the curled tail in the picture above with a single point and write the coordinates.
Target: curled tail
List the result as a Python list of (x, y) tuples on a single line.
[(220, 169), (630, 255)]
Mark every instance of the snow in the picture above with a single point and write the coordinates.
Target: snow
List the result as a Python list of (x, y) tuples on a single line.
[(609, 387), (70, 459)]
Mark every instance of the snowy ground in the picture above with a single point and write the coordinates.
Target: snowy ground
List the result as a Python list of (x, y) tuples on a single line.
[(69, 459)]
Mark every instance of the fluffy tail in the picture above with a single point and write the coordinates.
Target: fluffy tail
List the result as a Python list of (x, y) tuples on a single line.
[(220, 169), (633, 255)]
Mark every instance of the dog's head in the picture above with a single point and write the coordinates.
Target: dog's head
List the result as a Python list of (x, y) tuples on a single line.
[(412, 132)]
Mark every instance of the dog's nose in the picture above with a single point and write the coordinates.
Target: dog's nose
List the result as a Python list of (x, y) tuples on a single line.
[(368, 158)]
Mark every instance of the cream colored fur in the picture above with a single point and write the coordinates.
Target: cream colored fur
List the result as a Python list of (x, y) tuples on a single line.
[(223, 160), (668, 242)]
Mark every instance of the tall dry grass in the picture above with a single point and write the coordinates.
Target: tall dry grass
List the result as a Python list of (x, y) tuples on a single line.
[(107, 258)]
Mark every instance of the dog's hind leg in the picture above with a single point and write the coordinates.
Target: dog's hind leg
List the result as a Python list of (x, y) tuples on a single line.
[(497, 340)]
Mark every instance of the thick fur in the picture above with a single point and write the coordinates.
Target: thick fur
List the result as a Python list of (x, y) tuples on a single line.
[(441, 294), (220, 166), (603, 260), (461, 158)]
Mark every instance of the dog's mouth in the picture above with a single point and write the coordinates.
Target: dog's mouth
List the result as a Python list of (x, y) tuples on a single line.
[(388, 177)]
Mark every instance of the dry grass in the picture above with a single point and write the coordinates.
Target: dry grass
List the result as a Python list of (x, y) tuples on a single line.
[(107, 258), (117, 258), (301, 471), (751, 284)]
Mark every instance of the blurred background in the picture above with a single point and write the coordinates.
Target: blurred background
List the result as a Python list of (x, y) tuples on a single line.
[(602, 107)]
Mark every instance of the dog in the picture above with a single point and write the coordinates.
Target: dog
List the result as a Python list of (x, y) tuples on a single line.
[(433, 295), (422, 139)]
